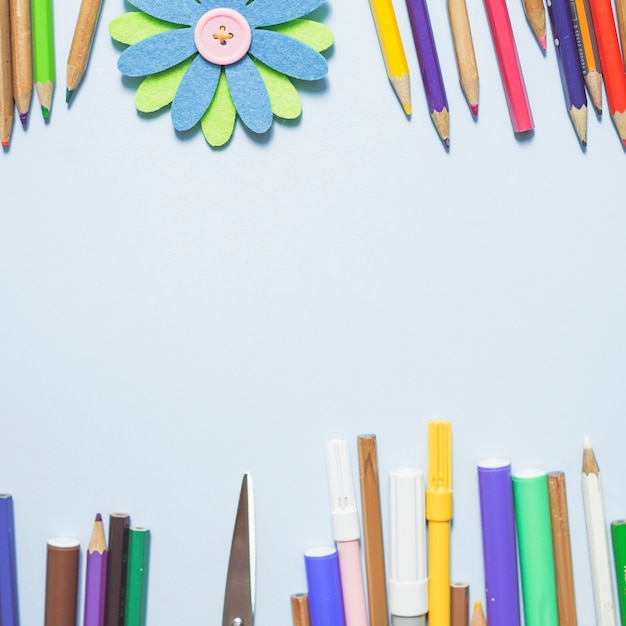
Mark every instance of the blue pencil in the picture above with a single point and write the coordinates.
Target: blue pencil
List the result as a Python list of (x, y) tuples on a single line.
[(569, 65), (9, 613)]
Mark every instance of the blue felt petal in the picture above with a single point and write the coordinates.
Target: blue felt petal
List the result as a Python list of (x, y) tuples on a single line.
[(287, 55), (249, 95), (269, 12), (237, 5), (195, 92), (186, 12), (157, 53)]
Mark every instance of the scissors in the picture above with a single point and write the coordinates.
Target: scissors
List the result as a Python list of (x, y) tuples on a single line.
[(240, 581)]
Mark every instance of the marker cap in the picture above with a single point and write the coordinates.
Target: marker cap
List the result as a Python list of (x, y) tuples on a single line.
[(344, 515)]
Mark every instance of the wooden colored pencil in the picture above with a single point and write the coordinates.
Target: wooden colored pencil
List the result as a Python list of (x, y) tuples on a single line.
[(62, 581), (618, 539), (393, 50), (587, 46), (569, 66), (459, 604), (464, 52), (510, 68), (137, 581), (115, 601), (620, 14), (372, 531), (81, 44), (300, 609), (536, 15), (95, 583), (429, 65), (564, 572), (478, 617), (601, 575), (43, 53), (611, 59), (7, 105), (22, 57)]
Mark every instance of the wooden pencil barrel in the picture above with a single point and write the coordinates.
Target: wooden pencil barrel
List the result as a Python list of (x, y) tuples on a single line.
[(62, 582)]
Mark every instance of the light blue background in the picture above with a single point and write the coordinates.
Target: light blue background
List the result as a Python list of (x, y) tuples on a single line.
[(172, 316)]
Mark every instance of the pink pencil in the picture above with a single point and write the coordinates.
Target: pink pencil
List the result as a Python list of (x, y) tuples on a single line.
[(510, 68)]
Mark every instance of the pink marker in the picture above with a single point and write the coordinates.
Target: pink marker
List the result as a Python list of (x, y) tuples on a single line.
[(346, 531)]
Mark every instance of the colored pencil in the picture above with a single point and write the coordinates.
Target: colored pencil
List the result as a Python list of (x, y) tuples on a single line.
[(620, 15), (510, 68), (372, 531), (95, 584), (459, 604), (429, 66), (117, 567), (324, 585), (22, 56), (439, 516), (611, 59), (6, 79), (478, 616), (569, 66), (601, 575), (137, 581), (565, 595), (62, 564), (497, 518), (43, 53), (587, 46), (618, 538), (9, 606), (464, 52), (81, 44), (300, 609), (536, 15), (536, 555), (393, 50)]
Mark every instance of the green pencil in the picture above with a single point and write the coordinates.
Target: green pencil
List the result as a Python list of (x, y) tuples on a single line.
[(536, 556), (618, 537), (137, 576), (43, 53)]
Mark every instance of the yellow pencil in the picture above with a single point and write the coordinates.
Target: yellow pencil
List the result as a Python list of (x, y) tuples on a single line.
[(393, 50), (438, 515)]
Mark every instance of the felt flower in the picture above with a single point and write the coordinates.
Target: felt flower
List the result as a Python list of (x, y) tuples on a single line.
[(215, 59)]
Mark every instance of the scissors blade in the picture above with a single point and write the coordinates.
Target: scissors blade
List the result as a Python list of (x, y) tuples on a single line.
[(240, 583)]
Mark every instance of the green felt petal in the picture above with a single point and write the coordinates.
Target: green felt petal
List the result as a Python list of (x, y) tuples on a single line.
[(218, 122), (132, 27), (158, 90), (313, 34), (284, 97)]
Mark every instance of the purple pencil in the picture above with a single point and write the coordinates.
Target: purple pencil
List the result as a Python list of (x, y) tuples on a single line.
[(95, 585), (429, 67), (497, 515), (569, 65), (9, 608)]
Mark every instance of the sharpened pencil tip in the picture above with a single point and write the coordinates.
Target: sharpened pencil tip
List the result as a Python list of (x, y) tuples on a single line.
[(587, 443), (474, 109), (446, 142), (45, 112), (24, 118), (5, 143), (98, 517), (407, 107), (543, 43), (68, 95)]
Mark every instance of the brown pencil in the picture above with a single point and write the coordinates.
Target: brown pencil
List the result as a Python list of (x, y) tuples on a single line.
[(62, 581), (300, 609), (22, 56), (114, 609), (81, 44), (459, 604), (372, 531), (6, 80), (566, 599)]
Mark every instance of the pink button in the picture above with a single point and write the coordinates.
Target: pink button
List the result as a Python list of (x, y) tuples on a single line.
[(222, 36)]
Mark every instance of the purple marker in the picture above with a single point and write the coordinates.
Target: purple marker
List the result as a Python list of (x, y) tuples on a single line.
[(324, 587), (429, 67), (96, 576), (497, 515)]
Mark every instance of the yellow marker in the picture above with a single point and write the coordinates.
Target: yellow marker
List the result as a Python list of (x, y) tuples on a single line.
[(438, 515)]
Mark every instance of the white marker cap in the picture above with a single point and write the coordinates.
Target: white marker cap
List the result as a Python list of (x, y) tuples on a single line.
[(344, 515)]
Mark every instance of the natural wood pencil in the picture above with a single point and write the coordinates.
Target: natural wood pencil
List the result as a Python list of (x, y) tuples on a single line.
[(620, 16), (459, 604), (536, 16), (464, 51), (300, 609), (565, 595), (81, 44), (372, 531), (6, 79), (601, 574), (478, 617), (21, 56)]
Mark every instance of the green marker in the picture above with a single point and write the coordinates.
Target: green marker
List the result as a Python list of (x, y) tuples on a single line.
[(534, 540), (137, 576), (43, 53), (618, 537)]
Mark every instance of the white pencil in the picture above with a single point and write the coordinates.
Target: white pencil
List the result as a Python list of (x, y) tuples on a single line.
[(597, 537)]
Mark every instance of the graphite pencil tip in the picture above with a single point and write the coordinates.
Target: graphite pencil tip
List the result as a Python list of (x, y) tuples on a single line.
[(45, 112), (68, 95)]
